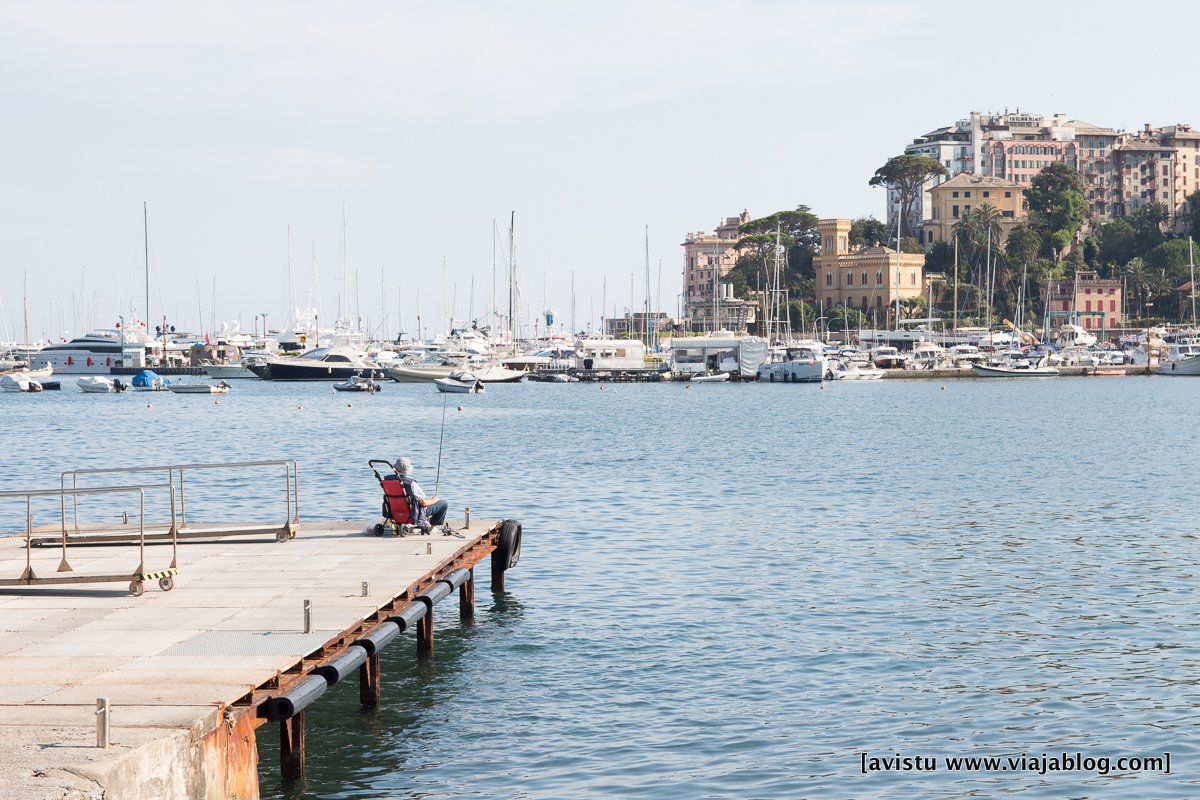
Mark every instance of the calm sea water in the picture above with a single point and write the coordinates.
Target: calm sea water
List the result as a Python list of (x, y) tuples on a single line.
[(733, 591)]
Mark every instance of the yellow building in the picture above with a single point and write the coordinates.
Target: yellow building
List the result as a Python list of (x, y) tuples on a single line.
[(951, 201), (870, 279)]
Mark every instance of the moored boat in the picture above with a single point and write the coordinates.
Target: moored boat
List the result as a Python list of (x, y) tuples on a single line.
[(357, 384), (220, 387), (1015, 366), (19, 382), (100, 384), (459, 383), (717, 377)]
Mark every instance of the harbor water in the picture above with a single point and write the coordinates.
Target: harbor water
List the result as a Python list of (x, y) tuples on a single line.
[(734, 591)]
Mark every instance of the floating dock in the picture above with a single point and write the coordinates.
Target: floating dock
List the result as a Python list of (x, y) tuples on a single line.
[(104, 694)]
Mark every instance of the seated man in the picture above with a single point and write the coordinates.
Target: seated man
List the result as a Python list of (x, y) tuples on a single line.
[(430, 510)]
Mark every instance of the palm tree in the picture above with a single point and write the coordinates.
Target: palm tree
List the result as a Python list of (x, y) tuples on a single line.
[(1140, 275)]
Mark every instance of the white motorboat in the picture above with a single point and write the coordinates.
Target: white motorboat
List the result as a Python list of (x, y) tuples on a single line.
[(100, 384), (424, 372), (19, 382), (802, 363), (888, 357), (1183, 359), (98, 351), (1015, 365), (357, 384), (927, 355), (221, 387), (964, 355), (717, 377), (561, 377), (459, 383), (494, 373), (852, 371), (227, 372)]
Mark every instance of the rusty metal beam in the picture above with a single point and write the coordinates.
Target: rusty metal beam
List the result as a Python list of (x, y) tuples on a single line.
[(466, 598), (369, 682), (425, 635), (291, 747)]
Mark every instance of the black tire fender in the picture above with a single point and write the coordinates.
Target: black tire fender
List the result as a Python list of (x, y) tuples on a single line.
[(508, 543)]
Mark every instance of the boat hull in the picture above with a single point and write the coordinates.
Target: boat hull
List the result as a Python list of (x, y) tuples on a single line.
[(227, 372), (986, 371), (316, 371), (1184, 367), (420, 374), (793, 371)]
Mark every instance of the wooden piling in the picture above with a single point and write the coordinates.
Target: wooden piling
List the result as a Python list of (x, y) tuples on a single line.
[(466, 598), (369, 682), (291, 747)]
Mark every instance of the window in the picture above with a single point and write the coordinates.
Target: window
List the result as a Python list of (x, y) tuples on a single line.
[(912, 279), (849, 278), (1008, 194), (954, 194), (879, 279), (864, 279), (1064, 308), (954, 210), (878, 301), (1087, 305), (864, 301), (1112, 306), (987, 194), (966, 194), (829, 279), (1112, 323)]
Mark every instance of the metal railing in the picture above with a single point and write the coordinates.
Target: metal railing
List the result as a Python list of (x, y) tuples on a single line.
[(287, 530), (136, 578)]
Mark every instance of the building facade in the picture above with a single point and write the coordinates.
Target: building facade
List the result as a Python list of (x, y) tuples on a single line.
[(1088, 300), (955, 197), (871, 279), (1121, 171), (707, 258)]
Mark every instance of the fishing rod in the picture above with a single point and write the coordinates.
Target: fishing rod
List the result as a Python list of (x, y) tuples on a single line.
[(441, 436)]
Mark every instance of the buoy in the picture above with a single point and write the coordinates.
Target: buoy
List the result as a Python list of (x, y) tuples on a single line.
[(299, 408), (822, 387), (943, 388), (460, 408), (149, 406), (349, 405)]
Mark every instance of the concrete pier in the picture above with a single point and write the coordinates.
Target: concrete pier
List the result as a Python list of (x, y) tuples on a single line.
[(188, 672)]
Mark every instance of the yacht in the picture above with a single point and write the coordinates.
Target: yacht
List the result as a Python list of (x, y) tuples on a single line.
[(1183, 358), (927, 355), (97, 352), (888, 357), (1015, 365), (964, 355), (321, 364), (798, 363)]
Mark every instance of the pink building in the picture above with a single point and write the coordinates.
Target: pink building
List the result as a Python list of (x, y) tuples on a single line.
[(708, 257)]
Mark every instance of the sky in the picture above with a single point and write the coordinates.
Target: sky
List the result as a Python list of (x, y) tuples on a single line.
[(424, 122)]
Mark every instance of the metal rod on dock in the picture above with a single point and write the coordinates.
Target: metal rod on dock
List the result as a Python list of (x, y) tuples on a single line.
[(103, 728), (308, 616)]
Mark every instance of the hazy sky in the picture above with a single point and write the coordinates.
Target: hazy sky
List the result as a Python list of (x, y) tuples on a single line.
[(428, 120)]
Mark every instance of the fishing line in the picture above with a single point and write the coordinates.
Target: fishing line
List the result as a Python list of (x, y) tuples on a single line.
[(441, 436)]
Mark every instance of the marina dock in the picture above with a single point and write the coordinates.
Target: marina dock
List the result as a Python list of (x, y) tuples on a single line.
[(158, 697)]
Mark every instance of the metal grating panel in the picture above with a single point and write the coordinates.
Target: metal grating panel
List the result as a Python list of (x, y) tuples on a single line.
[(250, 643)]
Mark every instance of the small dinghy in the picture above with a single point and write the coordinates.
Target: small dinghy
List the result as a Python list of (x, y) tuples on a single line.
[(99, 384), (19, 382), (562, 377), (150, 381), (718, 377), (356, 383), (459, 383), (220, 387)]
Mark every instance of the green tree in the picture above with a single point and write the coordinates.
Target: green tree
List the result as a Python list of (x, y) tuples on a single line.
[(940, 258), (1057, 205), (1170, 261), (801, 314), (867, 232), (1148, 222), (906, 175), (1117, 241), (797, 234), (841, 318), (1192, 216), (1023, 243)]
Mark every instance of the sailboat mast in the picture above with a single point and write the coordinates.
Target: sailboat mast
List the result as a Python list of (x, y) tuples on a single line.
[(146, 254), (955, 285), (646, 319), (512, 270), (1192, 270), (25, 312)]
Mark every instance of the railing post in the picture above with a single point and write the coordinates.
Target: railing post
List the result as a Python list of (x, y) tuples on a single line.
[(291, 747), (497, 574), (425, 634), (466, 598), (369, 682)]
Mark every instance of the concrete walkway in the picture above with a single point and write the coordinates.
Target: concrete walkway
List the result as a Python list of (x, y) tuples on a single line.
[(172, 663)]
